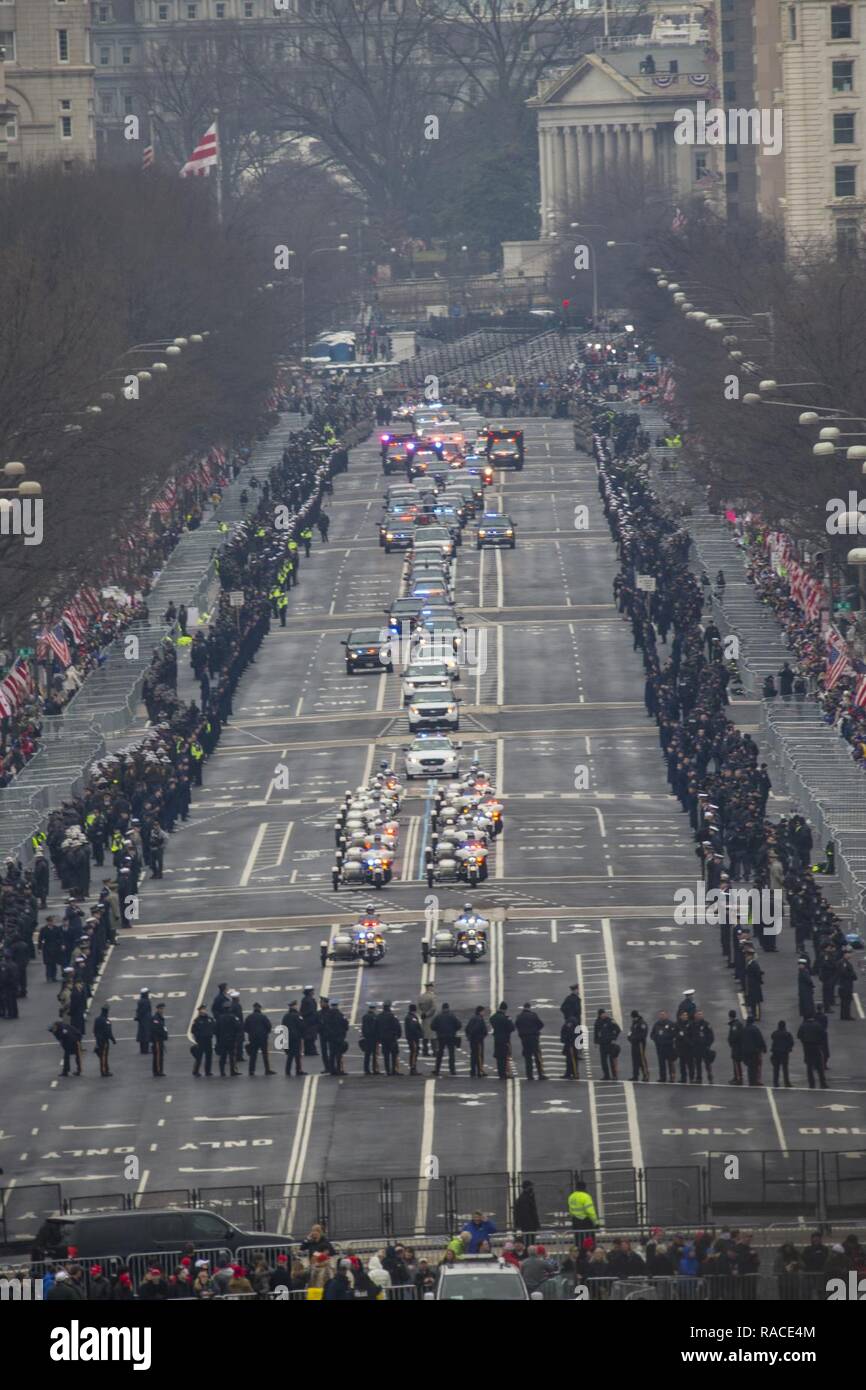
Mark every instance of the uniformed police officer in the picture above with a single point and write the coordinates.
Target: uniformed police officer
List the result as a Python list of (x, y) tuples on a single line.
[(104, 1035), (637, 1037), (158, 1040)]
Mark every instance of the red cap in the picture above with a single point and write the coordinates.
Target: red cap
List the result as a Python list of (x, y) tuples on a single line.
[(95, 1269), (71, 1251), (186, 1261), (282, 1259)]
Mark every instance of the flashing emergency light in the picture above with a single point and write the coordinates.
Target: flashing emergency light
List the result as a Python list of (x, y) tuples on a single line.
[(384, 438)]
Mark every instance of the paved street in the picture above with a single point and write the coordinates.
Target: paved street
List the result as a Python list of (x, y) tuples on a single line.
[(581, 889)]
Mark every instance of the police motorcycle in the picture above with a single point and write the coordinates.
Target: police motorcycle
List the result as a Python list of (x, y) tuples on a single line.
[(453, 856), (466, 937), (363, 942)]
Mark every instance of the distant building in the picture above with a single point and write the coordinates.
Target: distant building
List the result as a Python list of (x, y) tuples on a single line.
[(46, 83)]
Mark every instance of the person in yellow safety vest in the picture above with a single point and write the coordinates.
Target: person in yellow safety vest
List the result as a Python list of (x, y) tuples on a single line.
[(203, 618), (116, 847), (179, 744), (293, 568), (38, 840), (282, 605), (307, 538), (184, 640), (196, 752), (222, 526), (581, 1209), (260, 531)]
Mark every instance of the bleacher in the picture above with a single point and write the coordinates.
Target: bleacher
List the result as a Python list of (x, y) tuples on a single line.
[(546, 354)]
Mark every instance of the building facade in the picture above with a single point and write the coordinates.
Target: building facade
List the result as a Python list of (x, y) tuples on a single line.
[(823, 61), (46, 86)]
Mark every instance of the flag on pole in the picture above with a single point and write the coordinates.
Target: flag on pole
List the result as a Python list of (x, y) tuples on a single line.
[(147, 157), (837, 659), (204, 156), (860, 692), (679, 221), (56, 639)]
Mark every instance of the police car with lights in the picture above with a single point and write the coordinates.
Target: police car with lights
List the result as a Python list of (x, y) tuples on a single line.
[(494, 528)]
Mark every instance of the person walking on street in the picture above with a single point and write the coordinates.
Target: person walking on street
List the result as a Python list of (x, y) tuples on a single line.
[(476, 1032), (781, 1047), (158, 1040), (529, 1028), (70, 1042), (104, 1036)]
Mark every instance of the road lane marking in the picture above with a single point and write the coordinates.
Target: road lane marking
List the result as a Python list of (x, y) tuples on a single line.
[(202, 993), (426, 1154), (777, 1122), (616, 1012), (251, 860)]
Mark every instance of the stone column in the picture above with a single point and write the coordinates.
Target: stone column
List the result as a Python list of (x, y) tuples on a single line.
[(571, 173), (634, 150), (560, 184), (648, 138), (584, 165), (544, 172), (598, 153)]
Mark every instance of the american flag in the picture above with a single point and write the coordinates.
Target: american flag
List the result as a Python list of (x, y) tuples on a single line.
[(837, 660), (91, 600), (204, 156), (74, 622), (860, 692), (679, 221), (56, 639), (147, 157)]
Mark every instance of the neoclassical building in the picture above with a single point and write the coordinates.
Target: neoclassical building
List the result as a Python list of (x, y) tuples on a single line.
[(610, 117)]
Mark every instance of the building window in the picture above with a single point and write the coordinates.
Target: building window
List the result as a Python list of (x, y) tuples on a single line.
[(11, 128), (845, 180), (66, 127), (66, 104), (104, 57), (192, 11), (700, 167), (162, 11), (843, 75), (249, 9), (727, 31), (63, 45), (103, 14), (106, 103), (843, 128), (730, 91), (128, 104), (126, 56), (221, 10), (7, 44), (840, 22), (792, 23), (847, 237)]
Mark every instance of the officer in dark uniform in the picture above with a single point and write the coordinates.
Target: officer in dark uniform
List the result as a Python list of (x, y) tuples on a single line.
[(222, 1003), (702, 1039), (228, 1031), (50, 943), (309, 1018), (203, 1030), (476, 1032), (502, 1027), (571, 1006), (369, 1043), (70, 1041), (847, 978), (446, 1027), (338, 1027), (157, 843), (811, 1035), (158, 1040), (529, 1028), (324, 1033), (568, 1036), (637, 1037), (735, 1043), (663, 1035), (104, 1036), (606, 1033), (413, 1033), (781, 1046), (257, 1027), (291, 1021), (388, 1032)]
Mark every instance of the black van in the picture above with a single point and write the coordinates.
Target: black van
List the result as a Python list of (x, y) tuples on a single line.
[(126, 1233)]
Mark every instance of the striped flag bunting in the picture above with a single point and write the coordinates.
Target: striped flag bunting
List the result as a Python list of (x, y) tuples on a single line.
[(147, 157), (204, 156)]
